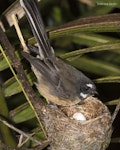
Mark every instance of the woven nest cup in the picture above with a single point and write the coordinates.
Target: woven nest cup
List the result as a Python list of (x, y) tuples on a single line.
[(81, 127)]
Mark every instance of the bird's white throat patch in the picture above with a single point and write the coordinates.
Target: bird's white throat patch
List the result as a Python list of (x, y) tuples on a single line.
[(83, 95)]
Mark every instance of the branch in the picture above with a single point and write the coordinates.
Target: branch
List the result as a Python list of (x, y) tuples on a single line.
[(43, 144), (32, 99), (116, 110)]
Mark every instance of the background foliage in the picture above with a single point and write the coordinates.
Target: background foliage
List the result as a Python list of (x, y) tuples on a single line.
[(102, 65)]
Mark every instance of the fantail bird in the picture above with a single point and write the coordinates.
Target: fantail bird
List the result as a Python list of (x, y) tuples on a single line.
[(57, 81)]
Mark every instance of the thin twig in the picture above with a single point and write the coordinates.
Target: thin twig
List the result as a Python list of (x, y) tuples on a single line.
[(5, 147), (116, 110), (18, 131)]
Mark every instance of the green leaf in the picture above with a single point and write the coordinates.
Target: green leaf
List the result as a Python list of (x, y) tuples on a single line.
[(103, 23), (116, 140), (3, 63), (109, 79), (112, 102), (91, 39), (22, 113), (11, 86), (107, 46), (96, 66), (5, 132)]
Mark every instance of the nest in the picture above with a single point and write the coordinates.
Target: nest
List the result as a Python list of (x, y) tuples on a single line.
[(81, 127)]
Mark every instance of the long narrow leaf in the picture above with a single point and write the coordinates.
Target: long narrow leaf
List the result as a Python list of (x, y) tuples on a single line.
[(103, 23), (12, 87), (109, 79), (22, 113), (95, 66)]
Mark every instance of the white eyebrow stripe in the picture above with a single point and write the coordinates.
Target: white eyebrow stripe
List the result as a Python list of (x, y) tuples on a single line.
[(89, 85)]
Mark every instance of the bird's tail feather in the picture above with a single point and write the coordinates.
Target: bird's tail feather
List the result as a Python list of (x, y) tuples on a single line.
[(37, 26)]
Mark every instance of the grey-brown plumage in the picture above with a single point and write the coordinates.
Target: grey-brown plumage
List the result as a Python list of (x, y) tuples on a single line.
[(57, 81)]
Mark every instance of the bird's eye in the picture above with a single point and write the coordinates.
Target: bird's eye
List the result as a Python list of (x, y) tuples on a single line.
[(87, 88)]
